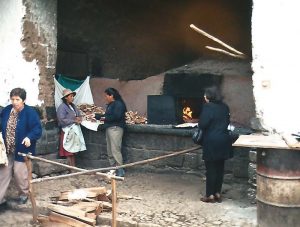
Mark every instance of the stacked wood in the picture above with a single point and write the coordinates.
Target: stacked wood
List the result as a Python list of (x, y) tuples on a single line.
[(78, 207), (87, 111), (88, 192), (134, 118)]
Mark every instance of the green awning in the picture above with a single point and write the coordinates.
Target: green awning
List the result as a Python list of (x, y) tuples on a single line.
[(68, 82)]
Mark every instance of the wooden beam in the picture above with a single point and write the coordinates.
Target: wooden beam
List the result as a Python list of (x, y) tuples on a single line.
[(114, 203), (72, 212), (89, 192), (31, 189), (67, 220)]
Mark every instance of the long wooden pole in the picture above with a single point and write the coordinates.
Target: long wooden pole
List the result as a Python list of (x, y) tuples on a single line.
[(117, 167), (67, 166), (114, 203), (215, 39), (225, 52), (31, 190)]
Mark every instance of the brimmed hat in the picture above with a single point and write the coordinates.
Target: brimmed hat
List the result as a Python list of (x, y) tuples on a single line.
[(67, 92)]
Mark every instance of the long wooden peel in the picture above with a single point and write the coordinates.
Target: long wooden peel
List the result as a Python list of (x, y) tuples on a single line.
[(31, 190), (215, 39), (225, 52)]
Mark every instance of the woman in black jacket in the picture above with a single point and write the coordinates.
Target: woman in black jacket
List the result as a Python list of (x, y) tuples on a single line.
[(216, 142), (114, 124)]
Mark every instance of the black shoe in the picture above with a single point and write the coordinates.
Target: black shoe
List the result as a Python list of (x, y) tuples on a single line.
[(22, 199), (120, 172), (3, 206)]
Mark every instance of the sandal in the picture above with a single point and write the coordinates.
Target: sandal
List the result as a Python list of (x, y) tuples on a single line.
[(209, 199), (218, 198)]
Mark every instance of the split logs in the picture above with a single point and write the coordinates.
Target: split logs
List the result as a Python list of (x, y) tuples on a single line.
[(74, 208), (87, 111), (82, 193)]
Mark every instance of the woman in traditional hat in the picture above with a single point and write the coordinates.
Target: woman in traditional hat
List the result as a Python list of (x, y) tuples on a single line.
[(68, 115)]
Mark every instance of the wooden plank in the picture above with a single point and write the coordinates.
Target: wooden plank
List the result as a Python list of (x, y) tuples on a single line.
[(54, 224), (128, 197), (91, 215), (72, 212), (67, 220), (86, 206), (90, 192), (105, 205), (291, 141), (114, 203), (44, 221), (261, 141)]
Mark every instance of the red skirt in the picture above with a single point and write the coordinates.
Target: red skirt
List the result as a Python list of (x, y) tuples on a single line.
[(62, 151)]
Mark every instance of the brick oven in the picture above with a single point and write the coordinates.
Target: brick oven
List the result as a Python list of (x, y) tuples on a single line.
[(182, 98)]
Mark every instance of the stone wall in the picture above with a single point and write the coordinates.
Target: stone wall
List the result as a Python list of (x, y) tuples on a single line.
[(148, 141)]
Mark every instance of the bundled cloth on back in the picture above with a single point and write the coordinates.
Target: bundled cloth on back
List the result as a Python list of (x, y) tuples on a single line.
[(3, 155)]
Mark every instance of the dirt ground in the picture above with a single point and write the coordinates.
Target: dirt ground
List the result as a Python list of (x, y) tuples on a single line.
[(166, 199)]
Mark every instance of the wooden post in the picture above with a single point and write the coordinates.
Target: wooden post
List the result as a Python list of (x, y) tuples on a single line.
[(31, 189), (114, 203)]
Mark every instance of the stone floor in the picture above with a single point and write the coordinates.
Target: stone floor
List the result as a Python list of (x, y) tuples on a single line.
[(165, 199)]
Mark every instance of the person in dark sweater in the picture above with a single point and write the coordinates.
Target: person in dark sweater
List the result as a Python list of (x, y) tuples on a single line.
[(114, 124), (21, 128), (216, 142)]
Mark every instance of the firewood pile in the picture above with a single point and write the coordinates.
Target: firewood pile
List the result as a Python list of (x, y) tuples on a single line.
[(134, 118), (78, 207), (87, 110)]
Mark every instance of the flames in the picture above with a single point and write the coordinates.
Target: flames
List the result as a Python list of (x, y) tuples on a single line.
[(187, 113)]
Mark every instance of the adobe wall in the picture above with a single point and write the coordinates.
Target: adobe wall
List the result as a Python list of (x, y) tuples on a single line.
[(237, 90), (28, 50)]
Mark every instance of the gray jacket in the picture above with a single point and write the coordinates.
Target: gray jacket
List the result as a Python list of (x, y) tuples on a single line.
[(65, 115)]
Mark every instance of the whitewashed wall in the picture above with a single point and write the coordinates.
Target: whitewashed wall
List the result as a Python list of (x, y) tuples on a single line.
[(276, 61), (14, 70)]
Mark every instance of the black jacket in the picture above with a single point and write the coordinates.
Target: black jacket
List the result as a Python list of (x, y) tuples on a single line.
[(216, 142), (114, 115)]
